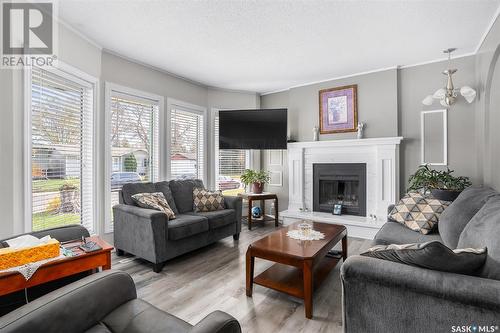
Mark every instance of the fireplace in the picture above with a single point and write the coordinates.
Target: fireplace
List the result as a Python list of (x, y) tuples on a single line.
[(340, 183)]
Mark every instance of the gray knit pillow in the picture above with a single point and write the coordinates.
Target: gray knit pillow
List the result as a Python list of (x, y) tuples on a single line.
[(431, 255)]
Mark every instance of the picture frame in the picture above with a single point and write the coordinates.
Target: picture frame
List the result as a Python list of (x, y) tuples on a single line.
[(337, 209), (338, 109)]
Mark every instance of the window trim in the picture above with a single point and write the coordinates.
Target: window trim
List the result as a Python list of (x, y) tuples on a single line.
[(187, 107), (66, 71), (109, 88)]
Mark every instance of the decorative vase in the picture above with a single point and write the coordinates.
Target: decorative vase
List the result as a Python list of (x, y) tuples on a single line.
[(257, 188), (445, 195), (361, 127), (315, 133)]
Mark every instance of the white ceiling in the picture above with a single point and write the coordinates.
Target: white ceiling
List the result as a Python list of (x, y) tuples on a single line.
[(264, 45)]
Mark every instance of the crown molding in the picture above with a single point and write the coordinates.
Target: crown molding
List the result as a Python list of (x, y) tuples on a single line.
[(487, 31), (331, 79), (78, 33)]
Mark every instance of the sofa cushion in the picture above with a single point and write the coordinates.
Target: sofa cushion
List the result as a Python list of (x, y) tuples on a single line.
[(140, 316), (207, 201), (454, 219), (418, 212), (431, 255), (99, 328), (218, 218), (395, 233), (128, 190), (164, 187), (154, 200), (186, 225), (484, 230), (182, 190)]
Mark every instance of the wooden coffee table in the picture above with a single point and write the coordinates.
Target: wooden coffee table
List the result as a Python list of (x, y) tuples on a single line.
[(56, 269), (300, 266)]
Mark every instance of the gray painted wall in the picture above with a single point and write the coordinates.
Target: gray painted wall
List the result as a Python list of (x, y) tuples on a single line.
[(414, 83), (488, 108), (390, 103)]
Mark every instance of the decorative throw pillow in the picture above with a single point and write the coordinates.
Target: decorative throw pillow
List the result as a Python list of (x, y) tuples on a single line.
[(431, 255), (155, 200), (206, 201), (418, 212)]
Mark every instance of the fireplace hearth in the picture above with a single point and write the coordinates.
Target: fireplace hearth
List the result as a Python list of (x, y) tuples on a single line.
[(340, 183)]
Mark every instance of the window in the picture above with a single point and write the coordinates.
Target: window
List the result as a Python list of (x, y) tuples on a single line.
[(117, 164), (61, 111), (187, 148), (133, 127), (229, 165)]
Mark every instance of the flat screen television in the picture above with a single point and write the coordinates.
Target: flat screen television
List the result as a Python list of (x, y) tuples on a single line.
[(253, 129)]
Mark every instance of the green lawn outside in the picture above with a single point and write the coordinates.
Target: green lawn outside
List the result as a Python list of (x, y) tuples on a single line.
[(53, 185), (47, 220)]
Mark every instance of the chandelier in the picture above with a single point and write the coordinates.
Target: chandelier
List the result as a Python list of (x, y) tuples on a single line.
[(449, 94)]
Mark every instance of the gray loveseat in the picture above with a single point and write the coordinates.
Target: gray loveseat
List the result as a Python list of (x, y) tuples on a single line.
[(149, 234), (106, 303), (385, 296)]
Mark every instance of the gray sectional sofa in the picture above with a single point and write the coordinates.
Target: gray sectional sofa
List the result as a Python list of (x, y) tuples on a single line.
[(107, 303), (149, 234), (385, 296)]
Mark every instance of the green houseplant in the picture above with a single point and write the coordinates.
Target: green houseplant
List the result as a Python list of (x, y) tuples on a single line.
[(255, 178), (441, 183)]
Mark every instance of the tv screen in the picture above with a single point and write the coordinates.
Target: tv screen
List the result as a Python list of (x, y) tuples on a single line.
[(253, 129)]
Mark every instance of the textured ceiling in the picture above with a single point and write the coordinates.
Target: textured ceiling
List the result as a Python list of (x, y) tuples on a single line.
[(265, 46)]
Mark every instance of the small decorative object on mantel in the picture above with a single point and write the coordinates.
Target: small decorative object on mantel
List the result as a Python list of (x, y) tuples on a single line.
[(305, 232), (337, 209), (315, 133), (449, 94), (338, 110), (441, 184), (361, 128)]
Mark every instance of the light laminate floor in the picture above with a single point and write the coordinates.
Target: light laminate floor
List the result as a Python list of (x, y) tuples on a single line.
[(213, 278)]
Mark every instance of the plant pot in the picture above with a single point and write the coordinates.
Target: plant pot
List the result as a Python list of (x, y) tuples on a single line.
[(257, 188), (445, 195)]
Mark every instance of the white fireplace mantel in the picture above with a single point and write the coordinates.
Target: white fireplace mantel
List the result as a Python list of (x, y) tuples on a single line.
[(381, 156)]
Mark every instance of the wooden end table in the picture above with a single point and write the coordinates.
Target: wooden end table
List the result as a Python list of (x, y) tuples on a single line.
[(56, 269), (300, 266), (250, 197)]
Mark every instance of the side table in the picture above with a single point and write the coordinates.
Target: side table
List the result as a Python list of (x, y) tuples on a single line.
[(262, 197)]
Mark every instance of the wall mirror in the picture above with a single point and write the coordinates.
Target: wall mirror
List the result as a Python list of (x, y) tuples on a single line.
[(434, 137)]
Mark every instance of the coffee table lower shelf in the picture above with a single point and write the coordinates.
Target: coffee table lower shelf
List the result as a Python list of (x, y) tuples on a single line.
[(289, 279)]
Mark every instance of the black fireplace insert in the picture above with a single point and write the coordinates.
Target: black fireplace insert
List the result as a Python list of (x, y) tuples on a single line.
[(340, 183)]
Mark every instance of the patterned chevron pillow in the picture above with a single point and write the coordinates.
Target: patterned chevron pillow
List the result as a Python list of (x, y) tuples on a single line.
[(206, 201), (154, 200), (418, 212)]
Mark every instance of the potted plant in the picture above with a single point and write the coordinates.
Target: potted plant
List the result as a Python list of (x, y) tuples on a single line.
[(441, 184), (255, 178)]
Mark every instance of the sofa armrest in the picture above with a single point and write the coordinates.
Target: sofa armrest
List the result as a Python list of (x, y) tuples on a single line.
[(140, 231), (217, 322), (75, 307), (235, 203), (387, 294)]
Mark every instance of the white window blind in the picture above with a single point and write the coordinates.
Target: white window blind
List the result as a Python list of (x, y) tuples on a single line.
[(229, 165), (134, 137), (62, 150), (187, 144)]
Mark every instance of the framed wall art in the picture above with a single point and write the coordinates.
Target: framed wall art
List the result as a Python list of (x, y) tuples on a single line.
[(338, 111)]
